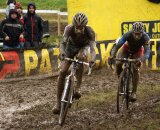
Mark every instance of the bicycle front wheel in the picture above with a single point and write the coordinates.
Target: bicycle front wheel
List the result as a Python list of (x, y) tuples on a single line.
[(66, 99), (129, 88), (121, 92)]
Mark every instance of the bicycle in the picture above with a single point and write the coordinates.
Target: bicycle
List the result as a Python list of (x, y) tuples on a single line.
[(125, 84), (69, 89)]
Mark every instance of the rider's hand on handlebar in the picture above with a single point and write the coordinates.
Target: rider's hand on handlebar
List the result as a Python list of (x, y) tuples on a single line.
[(62, 56), (110, 60), (139, 62), (141, 59)]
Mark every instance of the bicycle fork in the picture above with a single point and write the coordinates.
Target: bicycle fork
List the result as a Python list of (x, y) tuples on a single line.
[(66, 90)]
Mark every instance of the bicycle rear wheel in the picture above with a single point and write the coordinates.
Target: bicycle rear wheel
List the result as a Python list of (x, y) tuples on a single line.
[(121, 92), (66, 99)]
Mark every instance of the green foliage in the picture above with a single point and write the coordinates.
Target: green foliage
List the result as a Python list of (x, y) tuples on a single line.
[(53, 40), (41, 4)]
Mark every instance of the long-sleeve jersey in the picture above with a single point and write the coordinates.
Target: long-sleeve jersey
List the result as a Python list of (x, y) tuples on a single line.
[(133, 44)]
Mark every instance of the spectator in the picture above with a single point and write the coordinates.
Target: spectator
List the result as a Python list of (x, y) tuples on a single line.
[(33, 27), (11, 29), (21, 18), (10, 5), (20, 12), (11, 1)]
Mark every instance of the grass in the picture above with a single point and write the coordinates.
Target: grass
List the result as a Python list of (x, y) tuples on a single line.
[(144, 92), (53, 40), (42, 4), (101, 98), (96, 98)]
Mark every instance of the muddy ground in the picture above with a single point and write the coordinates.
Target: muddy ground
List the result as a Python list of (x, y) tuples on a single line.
[(26, 104)]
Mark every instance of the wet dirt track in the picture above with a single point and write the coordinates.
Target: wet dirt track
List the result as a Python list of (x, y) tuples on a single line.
[(26, 104)]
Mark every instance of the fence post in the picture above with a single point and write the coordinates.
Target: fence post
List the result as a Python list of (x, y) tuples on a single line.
[(59, 24)]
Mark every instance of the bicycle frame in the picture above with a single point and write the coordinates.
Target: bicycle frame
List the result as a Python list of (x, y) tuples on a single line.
[(72, 74), (67, 96), (124, 82)]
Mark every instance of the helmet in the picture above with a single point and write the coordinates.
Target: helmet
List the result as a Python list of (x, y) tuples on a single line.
[(80, 19), (138, 27), (18, 5)]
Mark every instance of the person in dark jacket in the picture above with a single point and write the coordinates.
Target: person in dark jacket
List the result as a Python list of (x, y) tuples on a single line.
[(33, 27), (11, 30)]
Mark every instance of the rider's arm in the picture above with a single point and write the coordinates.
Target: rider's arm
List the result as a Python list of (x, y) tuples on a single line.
[(146, 50), (92, 43), (64, 39), (117, 46), (63, 45), (92, 50)]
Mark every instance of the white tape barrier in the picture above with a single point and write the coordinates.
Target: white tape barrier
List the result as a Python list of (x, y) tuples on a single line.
[(42, 11)]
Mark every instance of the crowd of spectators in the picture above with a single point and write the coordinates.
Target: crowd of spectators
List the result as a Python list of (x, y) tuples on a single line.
[(19, 30)]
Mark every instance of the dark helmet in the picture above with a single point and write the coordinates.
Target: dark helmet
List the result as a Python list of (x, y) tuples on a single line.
[(138, 27), (80, 19)]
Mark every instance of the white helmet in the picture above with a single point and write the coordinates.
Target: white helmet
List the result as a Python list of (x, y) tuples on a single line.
[(138, 27), (80, 19)]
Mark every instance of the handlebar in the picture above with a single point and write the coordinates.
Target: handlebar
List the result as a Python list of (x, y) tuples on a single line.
[(77, 61), (123, 60), (80, 62), (126, 59)]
